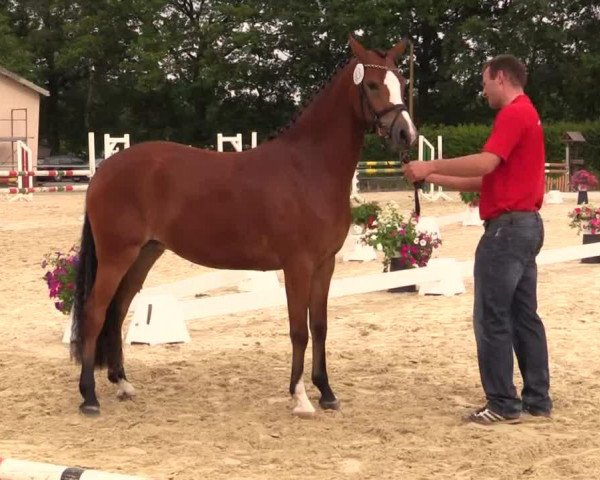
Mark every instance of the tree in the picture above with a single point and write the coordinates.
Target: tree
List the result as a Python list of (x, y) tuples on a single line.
[(187, 69)]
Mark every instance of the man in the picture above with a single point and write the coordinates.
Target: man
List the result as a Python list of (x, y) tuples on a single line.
[(509, 173)]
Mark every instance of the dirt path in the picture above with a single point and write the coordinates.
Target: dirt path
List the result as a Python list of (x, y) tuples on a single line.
[(404, 367)]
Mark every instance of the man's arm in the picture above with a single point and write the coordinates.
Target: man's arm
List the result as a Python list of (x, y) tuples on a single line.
[(463, 184), (475, 165)]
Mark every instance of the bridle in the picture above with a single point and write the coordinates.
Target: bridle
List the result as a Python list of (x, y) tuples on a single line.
[(377, 125), (377, 115)]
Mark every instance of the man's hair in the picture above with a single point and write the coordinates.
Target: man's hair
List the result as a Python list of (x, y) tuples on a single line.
[(512, 67)]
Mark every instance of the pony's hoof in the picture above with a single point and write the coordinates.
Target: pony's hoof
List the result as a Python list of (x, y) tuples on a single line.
[(123, 395), (330, 404), (125, 391), (302, 413), (89, 410)]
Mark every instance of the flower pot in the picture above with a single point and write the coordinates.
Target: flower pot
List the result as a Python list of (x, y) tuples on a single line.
[(582, 197), (591, 238), (356, 229), (471, 217), (395, 265)]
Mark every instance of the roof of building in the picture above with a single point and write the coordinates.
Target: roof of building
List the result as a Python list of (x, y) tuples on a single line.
[(573, 137), (26, 83)]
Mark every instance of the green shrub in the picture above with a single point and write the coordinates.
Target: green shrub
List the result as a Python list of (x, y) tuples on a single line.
[(470, 198), (466, 139), (363, 211)]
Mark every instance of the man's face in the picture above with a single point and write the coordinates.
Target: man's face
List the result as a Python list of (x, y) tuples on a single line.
[(492, 88)]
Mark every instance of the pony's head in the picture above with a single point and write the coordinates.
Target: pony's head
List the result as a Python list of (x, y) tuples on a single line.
[(381, 93)]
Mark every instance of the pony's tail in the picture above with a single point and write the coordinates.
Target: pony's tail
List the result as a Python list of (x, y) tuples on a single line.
[(86, 275), (108, 344)]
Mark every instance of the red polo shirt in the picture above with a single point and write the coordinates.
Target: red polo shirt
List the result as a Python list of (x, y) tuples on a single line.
[(517, 183)]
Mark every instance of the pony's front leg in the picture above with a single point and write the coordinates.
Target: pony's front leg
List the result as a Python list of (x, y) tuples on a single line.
[(297, 286), (318, 327)]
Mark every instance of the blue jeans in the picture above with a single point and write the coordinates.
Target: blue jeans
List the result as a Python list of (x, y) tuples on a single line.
[(505, 314)]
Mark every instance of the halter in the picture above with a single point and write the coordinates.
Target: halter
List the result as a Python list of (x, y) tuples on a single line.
[(403, 157)]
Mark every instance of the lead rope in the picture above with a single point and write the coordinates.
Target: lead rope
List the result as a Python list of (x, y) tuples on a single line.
[(404, 158)]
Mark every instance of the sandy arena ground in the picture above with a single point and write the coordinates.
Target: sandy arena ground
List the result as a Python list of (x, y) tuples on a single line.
[(404, 367)]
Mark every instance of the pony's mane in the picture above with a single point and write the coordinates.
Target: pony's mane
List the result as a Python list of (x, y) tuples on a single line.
[(315, 94), (310, 99)]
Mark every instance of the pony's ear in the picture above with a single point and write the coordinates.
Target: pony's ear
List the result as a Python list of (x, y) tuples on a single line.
[(357, 49), (398, 49)]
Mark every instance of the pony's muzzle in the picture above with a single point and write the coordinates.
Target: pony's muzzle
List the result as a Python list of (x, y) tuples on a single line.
[(397, 125), (403, 134)]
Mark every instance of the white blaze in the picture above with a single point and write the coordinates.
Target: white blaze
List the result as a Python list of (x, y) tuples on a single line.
[(393, 85)]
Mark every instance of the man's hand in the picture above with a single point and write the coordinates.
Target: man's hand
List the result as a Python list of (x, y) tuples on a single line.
[(417, 171)]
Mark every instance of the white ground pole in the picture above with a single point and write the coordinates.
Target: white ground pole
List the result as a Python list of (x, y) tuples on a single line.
[(12, 469), (242, 302)]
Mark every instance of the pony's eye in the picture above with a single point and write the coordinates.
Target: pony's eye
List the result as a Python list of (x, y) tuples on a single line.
[(372, 86)]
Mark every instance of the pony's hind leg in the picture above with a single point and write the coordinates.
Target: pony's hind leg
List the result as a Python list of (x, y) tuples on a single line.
[(94, 345), (318, 329), (131, 284)]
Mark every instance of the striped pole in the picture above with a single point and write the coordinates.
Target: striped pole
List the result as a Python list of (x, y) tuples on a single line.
[(62, 188), (376, 171), (26, 172), (45, 173), (11, 469), (379, 163)]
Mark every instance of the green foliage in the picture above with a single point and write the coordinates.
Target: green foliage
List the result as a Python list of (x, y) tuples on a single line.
[(458, 140), (364, 213), (590, 151), (470, 198), (14, 52), (467, 139), (187, 70)]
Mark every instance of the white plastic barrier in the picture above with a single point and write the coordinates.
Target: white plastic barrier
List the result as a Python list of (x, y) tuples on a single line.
[(241, 302), (432, 195), (236, 141)]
